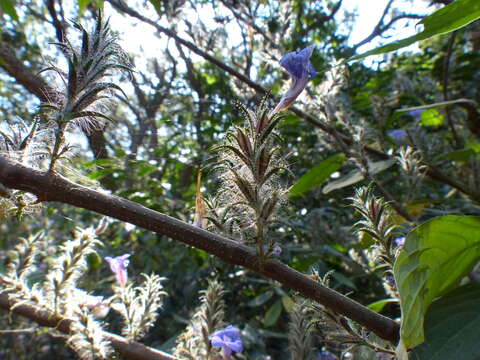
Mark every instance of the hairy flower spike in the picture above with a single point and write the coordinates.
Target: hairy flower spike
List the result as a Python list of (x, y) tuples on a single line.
[(23, 264), (87, 336), (139, 305), (15, 281), (195, 342), (377, 222), (300, 327), (301, 70), (412, 168), (85, 86), (68, 267), (251, 166)]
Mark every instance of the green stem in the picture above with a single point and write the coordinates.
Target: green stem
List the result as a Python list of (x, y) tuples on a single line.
[(59, 139)]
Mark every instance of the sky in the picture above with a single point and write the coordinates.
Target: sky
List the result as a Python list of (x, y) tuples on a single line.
[(370, 12)]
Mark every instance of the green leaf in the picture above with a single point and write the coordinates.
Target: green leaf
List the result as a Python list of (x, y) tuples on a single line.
[(98, 162), (99, 174), (459, 155), (356, 176), (261, 299), (436, 256), (157, 5), (288, 303), (8, 6), (82, 5), (272, 315), (452, 324), (431, 117), (145, 170), (378, 306), (449, 18), (318, 174)]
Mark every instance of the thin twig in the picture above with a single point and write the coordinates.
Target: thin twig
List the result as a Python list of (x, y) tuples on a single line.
[(18, 331)]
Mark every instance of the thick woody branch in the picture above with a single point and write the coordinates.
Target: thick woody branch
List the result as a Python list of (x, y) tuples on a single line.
[(50, 187), (128, 349)]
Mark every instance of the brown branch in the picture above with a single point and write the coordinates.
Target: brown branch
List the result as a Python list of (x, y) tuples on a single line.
[(57, 24), (129, 349), (334, 11), (51, 187)]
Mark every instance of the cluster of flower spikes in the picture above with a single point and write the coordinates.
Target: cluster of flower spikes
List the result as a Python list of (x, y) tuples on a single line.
[(251, 167)]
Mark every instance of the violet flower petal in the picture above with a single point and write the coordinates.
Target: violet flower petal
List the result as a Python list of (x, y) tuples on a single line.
[(300, 68), (118, 265), (399, 135), (416, 113), (228, 339)]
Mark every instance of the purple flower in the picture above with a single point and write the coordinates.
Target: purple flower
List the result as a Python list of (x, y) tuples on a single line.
[(326, 355), (277, 250), (398, 134), (228, 339), (118, 265), (300, 69), (416, 113), (399, 241)]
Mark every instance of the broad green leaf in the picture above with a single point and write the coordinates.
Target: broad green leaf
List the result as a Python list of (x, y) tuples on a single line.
[(459, 155), (463, 155), (82, 5), (449, 18), (99, 174), (356, 176), (378, 306), (318, 174), (288, 303), (8, 6), (436, 256), (452, 325), (261, 299), (272, 315), (431, 117), (146, 169)]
